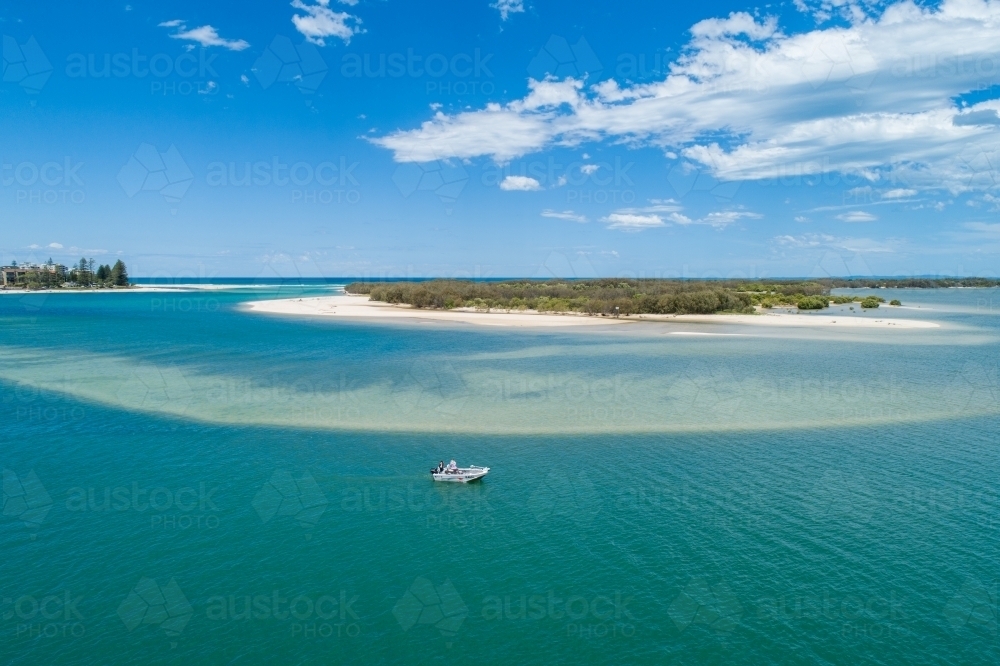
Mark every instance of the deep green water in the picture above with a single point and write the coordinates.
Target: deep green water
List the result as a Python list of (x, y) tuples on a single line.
[(765, 496)]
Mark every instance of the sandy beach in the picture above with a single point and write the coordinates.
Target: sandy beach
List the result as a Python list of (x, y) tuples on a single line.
[(359, 307)]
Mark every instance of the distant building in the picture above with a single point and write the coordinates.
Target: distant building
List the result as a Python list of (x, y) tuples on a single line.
[(9, 275)]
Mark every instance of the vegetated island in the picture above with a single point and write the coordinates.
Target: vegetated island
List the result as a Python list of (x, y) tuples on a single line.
[(612, 296), (87, 274)]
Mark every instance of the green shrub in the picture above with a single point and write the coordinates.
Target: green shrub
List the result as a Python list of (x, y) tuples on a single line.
[(870, 302), (812, 303), (895, 301)]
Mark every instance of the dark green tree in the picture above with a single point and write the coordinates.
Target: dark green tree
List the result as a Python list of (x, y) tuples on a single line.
[(83, 276), (119, 274)]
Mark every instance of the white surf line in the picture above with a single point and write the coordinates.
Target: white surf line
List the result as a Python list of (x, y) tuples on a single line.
[(737, 335)]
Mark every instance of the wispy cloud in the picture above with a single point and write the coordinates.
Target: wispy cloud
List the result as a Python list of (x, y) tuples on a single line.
[(633, 221), (987, 229), (205, 35), (508, 7), (661, 212), (320, 22), (856, 216), (829, 242), (723, 218), (564, 215)]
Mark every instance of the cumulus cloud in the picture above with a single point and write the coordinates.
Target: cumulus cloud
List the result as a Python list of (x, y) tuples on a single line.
[(319, 21), (56, 246), (873, 97), (508, 7), (856, 216), (520, 184), (589, 169), (205, 35), (899, 193), (564, 215)]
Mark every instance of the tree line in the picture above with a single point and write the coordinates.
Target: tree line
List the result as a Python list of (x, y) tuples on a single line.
[(86, 273), (609, 296)]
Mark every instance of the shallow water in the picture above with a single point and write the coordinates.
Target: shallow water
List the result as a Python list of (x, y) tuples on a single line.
[(780, 496)]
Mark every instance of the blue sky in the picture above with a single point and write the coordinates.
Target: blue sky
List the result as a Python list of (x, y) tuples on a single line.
[(479, 138)]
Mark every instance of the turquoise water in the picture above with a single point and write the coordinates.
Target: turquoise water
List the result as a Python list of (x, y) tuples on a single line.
[(188, 482)]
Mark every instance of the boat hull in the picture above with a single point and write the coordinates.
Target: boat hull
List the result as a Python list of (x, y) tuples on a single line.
[(461, 475)]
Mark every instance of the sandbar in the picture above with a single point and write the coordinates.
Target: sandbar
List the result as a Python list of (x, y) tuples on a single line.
[(359, 307)]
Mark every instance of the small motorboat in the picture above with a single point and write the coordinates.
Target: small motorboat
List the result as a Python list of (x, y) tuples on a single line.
[(455, 474)]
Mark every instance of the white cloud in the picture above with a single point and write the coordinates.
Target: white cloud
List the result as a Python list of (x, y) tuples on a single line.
[(632, 221), (856, 216), (206, 35), (209, 87), (319, 22), (718, 219), (899, 193), (801, 218), (726, 217), (838, 243), (984, 229), (508, 7), (661, 212), (564, 215), (589, 169), (872, 98), (56, 246), (520, 184)]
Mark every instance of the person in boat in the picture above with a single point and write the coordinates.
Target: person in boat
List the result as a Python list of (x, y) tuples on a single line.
[(452, 467), (439, 469)]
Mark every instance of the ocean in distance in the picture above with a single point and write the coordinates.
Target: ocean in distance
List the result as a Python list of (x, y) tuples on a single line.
[(188, 482)]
